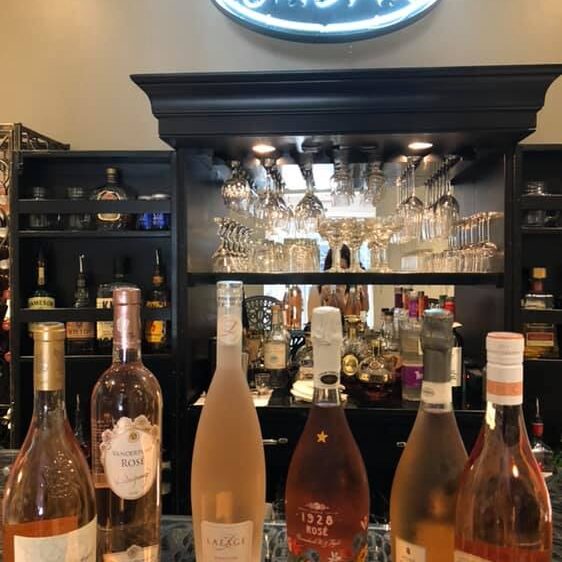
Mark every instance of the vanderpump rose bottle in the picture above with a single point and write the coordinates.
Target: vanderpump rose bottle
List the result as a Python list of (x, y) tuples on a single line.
[(228, 465), (126, 443)]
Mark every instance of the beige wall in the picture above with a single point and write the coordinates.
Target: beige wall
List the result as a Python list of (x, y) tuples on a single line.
[(65, 63)]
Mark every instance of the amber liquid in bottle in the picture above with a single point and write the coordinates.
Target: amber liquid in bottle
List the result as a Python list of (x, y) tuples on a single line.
[(327, 493), (126, 442), (424, 490), (49, 505), (503, 510)]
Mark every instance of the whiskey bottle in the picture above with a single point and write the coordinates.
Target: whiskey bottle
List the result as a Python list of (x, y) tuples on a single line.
[(327, 492), (156, 331), (126, 424), (111, 191), (41, 298), (80, 336), (540, 338), (276, 351), (104, 299), (49, 510), (354, 350)]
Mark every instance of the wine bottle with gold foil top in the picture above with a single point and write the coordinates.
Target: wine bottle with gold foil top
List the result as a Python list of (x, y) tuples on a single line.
[(49, 510), (126, 443), (327, 493), (156, 331)]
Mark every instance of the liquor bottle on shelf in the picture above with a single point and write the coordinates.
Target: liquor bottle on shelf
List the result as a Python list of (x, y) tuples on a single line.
[(104, 299), (41, 298), (79, 430), (424, 490), (503, 509), (292, 307), (353, 351), (540, 338), (276, 350), (156, 331), (80, 335), (111, 191), (457, 365), (544, 455), (126, 409), (352, 303), (411, 353), (49, 502), (227, 503), (327, 492)]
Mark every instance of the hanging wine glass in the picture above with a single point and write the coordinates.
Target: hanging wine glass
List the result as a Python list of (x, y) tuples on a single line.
[(341, 182), (412, 207), (374, 184), (309, 209), (447, 207), (237, 192)]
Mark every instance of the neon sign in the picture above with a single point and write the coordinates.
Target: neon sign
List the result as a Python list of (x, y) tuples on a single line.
[(327, 21)]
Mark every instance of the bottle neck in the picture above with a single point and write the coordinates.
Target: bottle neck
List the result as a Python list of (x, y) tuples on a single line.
[(229, 334), (537, 286), (505, 425), (126, 333), (326, 396), (40, 274), (48, 381), (326, 369)]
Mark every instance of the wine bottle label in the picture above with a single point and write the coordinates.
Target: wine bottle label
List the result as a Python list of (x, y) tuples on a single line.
[(129, 455), (412, 376), (77, 545), (539, 339), (155, 331), (135, 554), (104, 330), (408, 552), (227, 543), (436, 392), (275, 355), (229, 329), (80, 330), (456, 366), (108, 195), (465, 557), (38, 303), (321, 532)]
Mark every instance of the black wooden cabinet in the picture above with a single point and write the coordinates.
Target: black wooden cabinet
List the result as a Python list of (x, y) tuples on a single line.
[(479, 114)]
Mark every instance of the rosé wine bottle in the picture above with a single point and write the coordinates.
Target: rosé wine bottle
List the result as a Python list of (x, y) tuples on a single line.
[(126, 441), (228, 466), (327, 493)]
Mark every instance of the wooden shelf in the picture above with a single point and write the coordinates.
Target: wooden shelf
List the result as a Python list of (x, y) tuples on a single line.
[(542, 202), (547, 315), (94, 234), (535, 230), (324, 278), (66, 206), (85, 314), (104, 357)]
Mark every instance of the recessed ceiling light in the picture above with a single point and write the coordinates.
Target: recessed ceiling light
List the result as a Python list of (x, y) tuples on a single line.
[(420, 145), (263, 149)]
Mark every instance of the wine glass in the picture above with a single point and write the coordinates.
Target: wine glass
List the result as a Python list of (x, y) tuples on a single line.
[(332, 231), (354, 231), (374, 184), (309, 209), (341, 182), (237, 192)]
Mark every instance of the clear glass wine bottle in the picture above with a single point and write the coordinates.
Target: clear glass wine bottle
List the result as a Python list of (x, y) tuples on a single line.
[(424, 490), (126, 442), (503, 510), (49, 504)]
